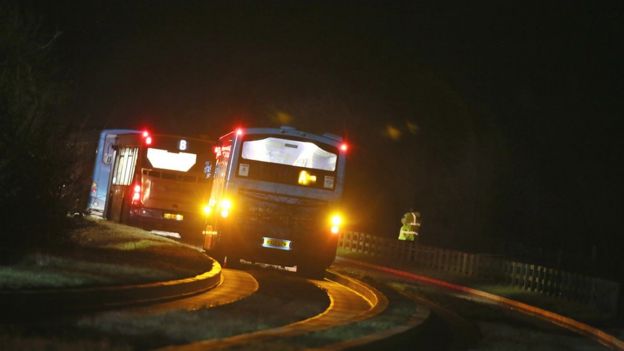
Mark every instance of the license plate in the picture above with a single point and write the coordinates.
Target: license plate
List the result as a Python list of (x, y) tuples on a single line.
[(273, 243), (173, 216)]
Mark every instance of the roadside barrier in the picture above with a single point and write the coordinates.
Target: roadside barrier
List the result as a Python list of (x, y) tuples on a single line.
[(602, 337), (595, 292)]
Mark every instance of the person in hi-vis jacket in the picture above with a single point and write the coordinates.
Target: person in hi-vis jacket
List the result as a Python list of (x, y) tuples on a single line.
[(411, 225)]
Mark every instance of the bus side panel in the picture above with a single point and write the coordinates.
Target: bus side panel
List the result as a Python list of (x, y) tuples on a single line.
[(105, 155)]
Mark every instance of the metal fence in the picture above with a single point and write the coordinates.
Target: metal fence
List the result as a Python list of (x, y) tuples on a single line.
[(598, 293)]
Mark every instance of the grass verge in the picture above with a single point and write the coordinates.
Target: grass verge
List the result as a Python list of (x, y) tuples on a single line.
[(104, 253)]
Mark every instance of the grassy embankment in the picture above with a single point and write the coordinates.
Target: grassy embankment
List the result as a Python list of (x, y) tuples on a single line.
[(105, 253)]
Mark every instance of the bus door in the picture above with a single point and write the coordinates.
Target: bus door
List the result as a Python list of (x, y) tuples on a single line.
[(122, 177)]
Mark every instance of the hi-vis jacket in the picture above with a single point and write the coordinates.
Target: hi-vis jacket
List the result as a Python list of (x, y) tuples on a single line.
[(411, 225)]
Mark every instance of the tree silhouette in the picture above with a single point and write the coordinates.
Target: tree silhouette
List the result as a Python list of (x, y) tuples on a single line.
[(35, 146)]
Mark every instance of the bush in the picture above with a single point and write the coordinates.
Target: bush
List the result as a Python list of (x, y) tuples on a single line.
[(35, 150)]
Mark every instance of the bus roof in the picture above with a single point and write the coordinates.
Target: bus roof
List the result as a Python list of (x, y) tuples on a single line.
[(290, 131), (119, 131), (135, 131)]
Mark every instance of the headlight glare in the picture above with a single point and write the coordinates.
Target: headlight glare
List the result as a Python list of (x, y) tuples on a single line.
[(207, 210), (225, 207), (335, 222)]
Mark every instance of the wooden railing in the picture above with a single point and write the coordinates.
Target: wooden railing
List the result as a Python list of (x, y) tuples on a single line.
[(598, 293)]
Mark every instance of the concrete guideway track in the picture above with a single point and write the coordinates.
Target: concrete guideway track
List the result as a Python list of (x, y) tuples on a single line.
[(105, 297), (598, 335), (235, 285), (350, 301)]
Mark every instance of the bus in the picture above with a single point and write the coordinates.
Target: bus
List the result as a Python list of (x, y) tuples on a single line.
[(157, 182), (275, 198)]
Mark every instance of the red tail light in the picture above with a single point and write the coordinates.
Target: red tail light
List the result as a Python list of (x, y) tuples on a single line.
[(136, 194), (147, 138)]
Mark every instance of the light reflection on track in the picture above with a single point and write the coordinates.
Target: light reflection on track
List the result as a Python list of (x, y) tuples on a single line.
[(346, 306), (235, 285)]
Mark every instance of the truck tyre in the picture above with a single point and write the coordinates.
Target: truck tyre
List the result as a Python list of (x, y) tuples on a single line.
[(311, 269)]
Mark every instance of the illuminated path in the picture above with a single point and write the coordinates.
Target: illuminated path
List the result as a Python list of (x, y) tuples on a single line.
[(350, 301), (235, 285)]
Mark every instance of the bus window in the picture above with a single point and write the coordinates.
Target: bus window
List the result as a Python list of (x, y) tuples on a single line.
[(288, 161), (173, 161), (108, 151), (124, 167), (290, 153), (221, 163)]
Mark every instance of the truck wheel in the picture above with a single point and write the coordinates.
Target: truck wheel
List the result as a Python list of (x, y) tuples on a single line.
[(311, 269), (233, 262)]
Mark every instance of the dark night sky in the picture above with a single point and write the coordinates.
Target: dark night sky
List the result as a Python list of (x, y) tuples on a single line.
[(497, 122)]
